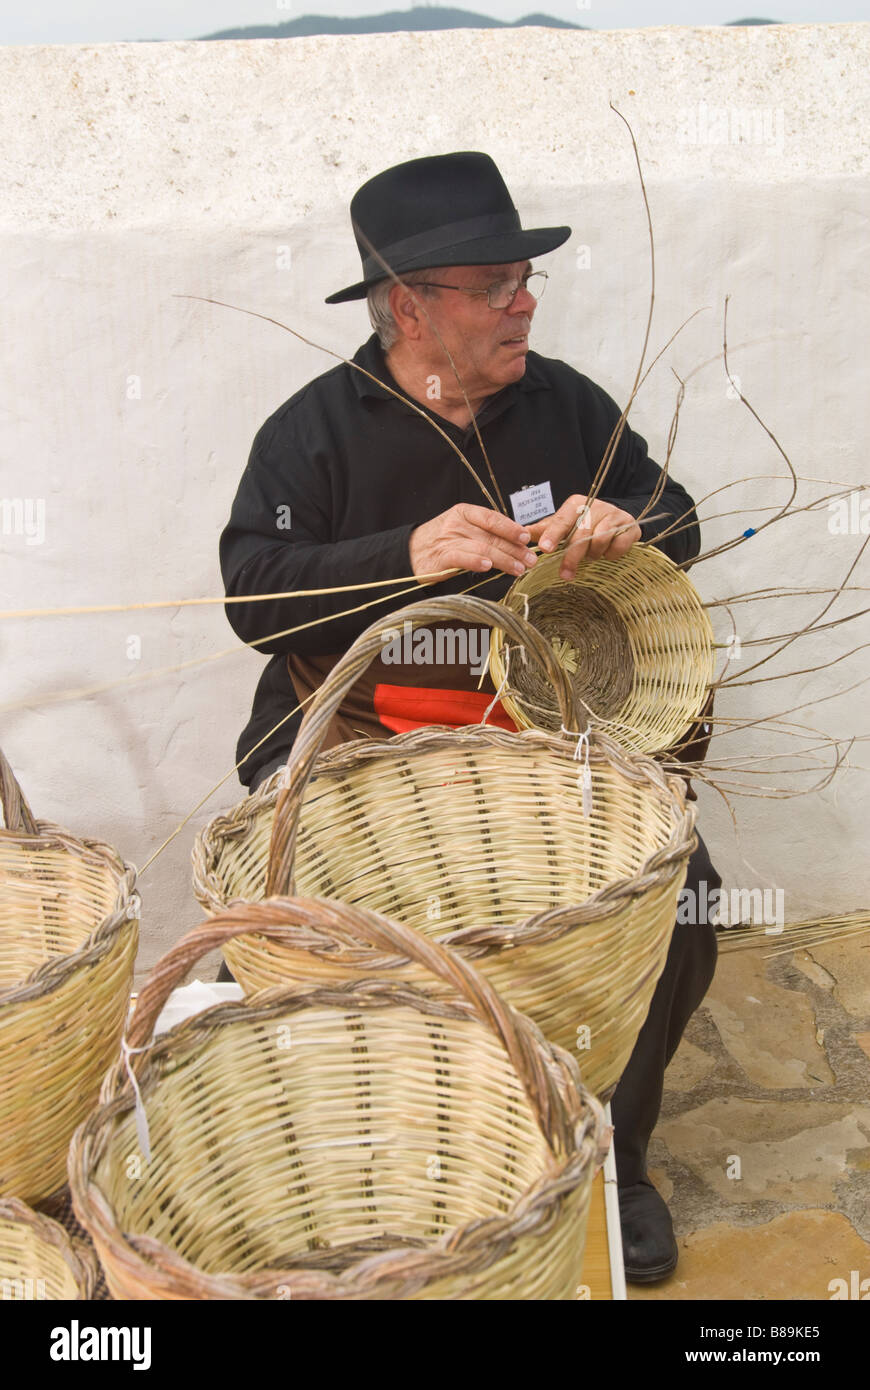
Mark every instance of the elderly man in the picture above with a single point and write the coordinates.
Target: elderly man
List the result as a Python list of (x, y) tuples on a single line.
[(378, 474)]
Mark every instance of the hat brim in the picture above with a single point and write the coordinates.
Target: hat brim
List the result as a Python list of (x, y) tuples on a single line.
[(492, 250)]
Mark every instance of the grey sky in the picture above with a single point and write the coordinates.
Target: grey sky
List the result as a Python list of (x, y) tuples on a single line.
[(103, 21)]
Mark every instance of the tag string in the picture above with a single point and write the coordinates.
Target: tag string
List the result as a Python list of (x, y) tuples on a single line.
[(498, 694), (525, 599), (141, 1118), (584, 778)]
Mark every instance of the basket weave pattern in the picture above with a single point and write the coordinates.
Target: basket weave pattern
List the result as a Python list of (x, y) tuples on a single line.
[(370, 1141), (39, 1260), (633, 636), (475, 837), (68, 938)]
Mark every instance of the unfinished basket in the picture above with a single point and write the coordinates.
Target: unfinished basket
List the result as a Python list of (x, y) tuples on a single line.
[(68, 937), (477, 837), (38, 1260), (633, 638), (374, 1141)]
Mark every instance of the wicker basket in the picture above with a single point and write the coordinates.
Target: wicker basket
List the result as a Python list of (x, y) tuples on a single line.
[(68, 937), (375, 1141), (632, 635), (38, 1260), (477, 837)]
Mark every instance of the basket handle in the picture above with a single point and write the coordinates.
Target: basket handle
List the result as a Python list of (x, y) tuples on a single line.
[(17, 815), (303, 923), (346, 672)]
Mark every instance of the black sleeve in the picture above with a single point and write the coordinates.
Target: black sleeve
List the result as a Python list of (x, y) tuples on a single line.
[(633, 476), (278, 539)]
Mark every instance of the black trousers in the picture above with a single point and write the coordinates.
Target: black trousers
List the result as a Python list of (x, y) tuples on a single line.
[(689, 969)]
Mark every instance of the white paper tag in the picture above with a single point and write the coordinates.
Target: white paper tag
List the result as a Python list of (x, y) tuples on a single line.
[(532, 503), (586, 788)]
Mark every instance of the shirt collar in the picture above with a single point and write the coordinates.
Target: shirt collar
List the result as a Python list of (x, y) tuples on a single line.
[(371, 357)]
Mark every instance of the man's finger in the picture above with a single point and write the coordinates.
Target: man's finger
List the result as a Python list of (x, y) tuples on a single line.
[(495, 522), (577, 550), (509, 559), (555, 528), (514, 557), (504, 558), (470, 555), (626, 535), (607, 539), (572, 558), (516, 554), (584, 545), (602, 536)]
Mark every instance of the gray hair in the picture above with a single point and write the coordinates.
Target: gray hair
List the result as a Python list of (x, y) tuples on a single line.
[(380, 313)]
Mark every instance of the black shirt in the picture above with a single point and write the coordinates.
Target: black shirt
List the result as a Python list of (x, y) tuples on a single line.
[(341, 474)]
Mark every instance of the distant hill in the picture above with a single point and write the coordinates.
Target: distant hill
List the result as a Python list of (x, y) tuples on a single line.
[(420, 17)]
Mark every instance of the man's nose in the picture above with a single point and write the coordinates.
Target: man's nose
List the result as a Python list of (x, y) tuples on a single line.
[(524, 302)]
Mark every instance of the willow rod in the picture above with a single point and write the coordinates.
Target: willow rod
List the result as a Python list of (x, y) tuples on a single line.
[(373, 251), (267, 318), (729, 545)]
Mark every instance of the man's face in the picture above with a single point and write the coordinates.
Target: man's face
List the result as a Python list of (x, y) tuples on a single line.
[(488, 346)]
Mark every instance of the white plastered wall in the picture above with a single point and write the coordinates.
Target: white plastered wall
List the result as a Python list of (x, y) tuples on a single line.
[(138, 173)]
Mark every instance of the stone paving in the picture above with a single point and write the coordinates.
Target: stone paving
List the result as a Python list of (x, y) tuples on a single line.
[(763, 1145)]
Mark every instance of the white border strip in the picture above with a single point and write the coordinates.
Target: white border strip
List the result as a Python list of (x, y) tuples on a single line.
[(614, 1230)]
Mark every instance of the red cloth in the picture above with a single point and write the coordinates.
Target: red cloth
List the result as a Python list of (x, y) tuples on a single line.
[(404, 707)]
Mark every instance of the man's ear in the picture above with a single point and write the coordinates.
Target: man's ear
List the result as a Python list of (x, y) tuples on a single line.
[(406, 310)]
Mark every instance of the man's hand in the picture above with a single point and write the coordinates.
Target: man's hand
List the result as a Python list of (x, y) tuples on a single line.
[(471, 538), (593, 539)]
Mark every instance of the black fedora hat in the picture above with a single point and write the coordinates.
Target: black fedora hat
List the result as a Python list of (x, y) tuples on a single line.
[(447, 209)]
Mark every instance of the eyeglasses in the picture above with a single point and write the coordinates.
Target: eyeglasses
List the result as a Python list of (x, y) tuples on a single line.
[(504, 292)]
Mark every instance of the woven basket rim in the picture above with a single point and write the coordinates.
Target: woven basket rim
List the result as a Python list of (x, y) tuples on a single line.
[(53, 972), (536, 1206), (547, 925), (79, 1258), (644, 552)]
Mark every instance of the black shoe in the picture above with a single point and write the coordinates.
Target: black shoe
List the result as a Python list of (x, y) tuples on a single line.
[(649, 1250)]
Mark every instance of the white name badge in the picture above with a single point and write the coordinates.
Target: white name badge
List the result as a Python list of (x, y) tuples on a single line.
[(532, 503)]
